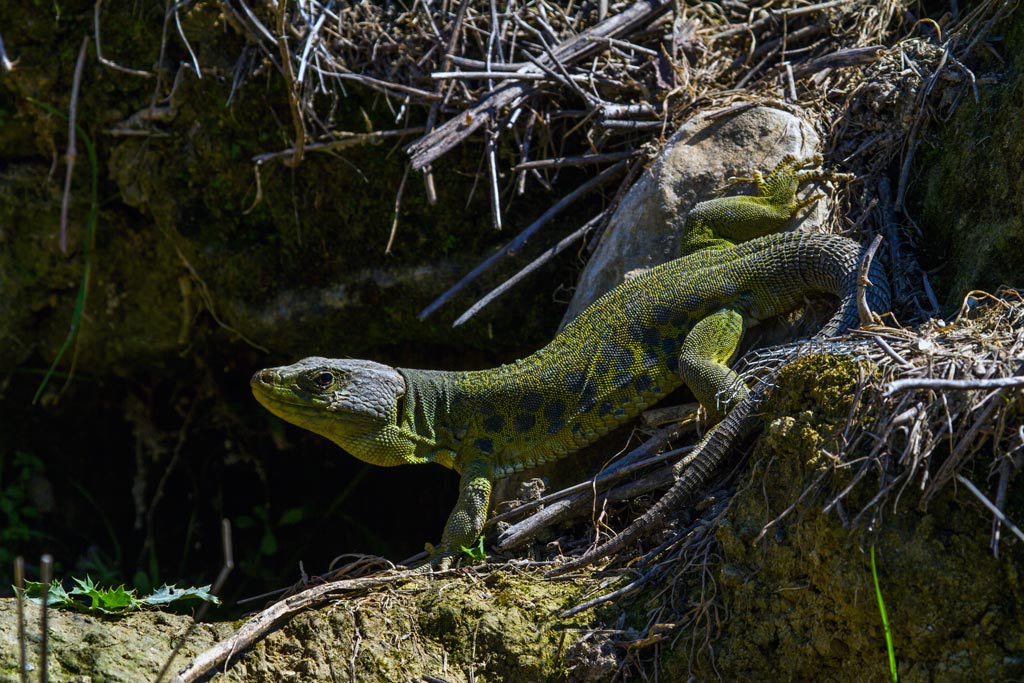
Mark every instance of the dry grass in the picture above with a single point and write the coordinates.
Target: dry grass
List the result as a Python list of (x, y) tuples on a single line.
[(539, 87)]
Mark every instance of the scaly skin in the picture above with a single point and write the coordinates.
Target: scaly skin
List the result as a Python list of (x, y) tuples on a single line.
[(679, 322)]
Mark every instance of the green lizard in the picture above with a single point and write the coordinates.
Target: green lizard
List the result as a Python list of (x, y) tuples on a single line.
[(679, 322)]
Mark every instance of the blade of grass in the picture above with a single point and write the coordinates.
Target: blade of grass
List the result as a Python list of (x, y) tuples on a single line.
[(90, 236), (885, 620)]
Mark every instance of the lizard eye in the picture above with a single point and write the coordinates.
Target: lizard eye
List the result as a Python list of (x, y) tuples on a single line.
[(318, 380)]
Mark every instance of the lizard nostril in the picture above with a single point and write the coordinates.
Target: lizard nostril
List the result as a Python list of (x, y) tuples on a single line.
[(263, 377)]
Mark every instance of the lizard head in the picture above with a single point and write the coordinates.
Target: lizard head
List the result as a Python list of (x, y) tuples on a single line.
[(354, 403)]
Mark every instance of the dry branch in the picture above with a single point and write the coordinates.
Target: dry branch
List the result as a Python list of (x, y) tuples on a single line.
[(513, 246), (439, 141), (260, 624)]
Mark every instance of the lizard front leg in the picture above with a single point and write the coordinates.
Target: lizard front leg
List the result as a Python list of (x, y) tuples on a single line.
[(704, 361), (467, 518)]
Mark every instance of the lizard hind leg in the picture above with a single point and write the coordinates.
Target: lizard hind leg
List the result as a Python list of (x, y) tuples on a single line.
[(781, 185)]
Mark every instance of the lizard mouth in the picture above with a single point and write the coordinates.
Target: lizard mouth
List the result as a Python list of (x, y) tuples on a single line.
[(269, 392)]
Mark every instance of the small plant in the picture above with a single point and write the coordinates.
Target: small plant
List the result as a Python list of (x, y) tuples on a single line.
[(87, 247), (260, 518), (18, 516), (111, 600), (476, 553), (885, 620)]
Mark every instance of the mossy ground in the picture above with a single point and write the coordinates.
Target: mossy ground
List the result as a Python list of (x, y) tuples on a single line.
[(500, 626), (801, 601)]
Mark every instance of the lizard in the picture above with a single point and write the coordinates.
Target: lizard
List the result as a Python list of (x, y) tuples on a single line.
[(679, 322)]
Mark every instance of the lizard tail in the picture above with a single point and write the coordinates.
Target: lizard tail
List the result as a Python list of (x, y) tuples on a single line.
[(703, 463)]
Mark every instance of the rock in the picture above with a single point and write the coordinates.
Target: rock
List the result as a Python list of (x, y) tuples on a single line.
[(709, 148)]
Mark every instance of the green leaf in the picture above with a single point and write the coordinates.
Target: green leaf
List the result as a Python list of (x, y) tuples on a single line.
[(55, 597), (112, 600), (268, 544), (893, 672), (244, 522), (107, 600), (293, 516), (477, 552), (167, 594)]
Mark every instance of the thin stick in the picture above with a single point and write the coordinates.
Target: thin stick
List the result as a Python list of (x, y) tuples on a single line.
[(987, 503), (513, 246), (181, 33), (508, 284), (953, 384), (790, 82), (584, 160), (435, 106), (600, 600), (19, 584), (492, 173), (891, 352), (313, 36), (911, 140), (504, 76), (398, 206), (854, 56), (45, 577), (342, 140), (383, 86), (72, 153), (863, 310), (290, 85), (617, 124), (99, 53), (260, 624), (564, 507), (525, 151), (610, 475), (760, 23), (4, 60)]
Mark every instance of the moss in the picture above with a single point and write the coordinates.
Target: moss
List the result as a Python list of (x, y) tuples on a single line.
[(970, 185), (180, 201), (502, 627), (801, 599)]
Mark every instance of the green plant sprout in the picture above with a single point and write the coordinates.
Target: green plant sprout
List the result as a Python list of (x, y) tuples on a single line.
[(477, 552), (83, 288), (885, 620)]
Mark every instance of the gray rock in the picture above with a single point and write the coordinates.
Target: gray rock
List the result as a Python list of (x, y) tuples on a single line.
[(709, 148)]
